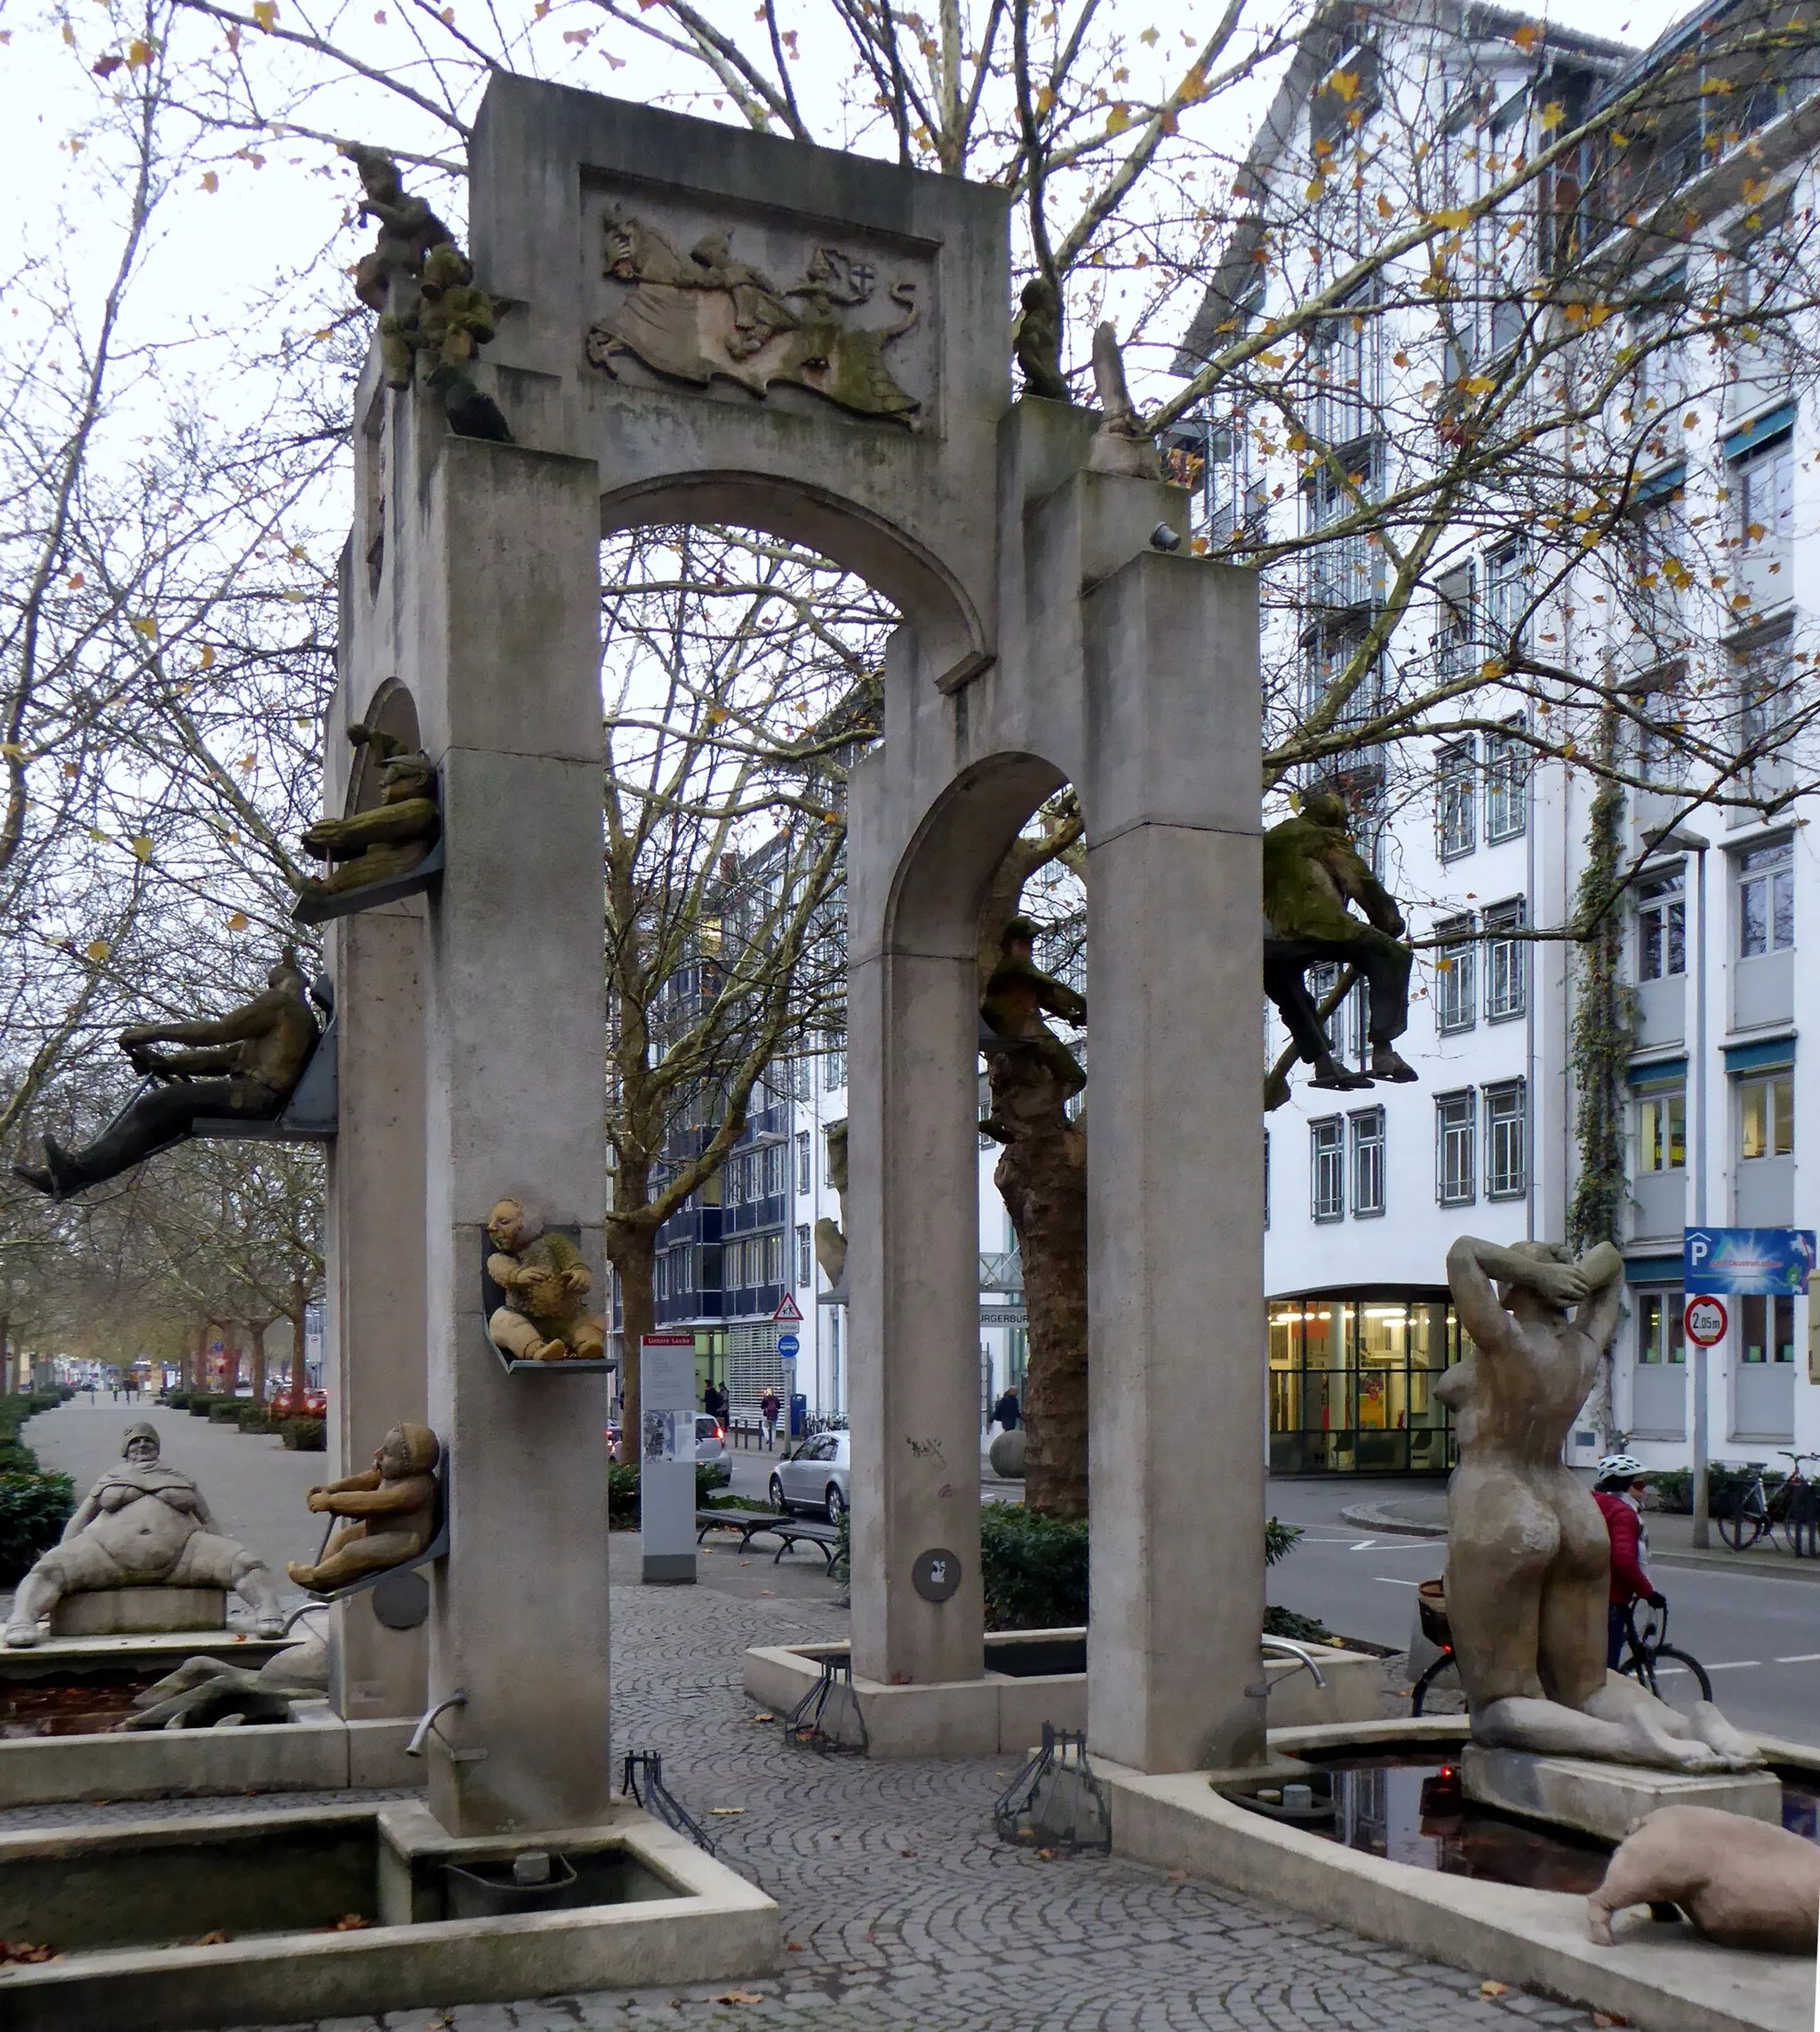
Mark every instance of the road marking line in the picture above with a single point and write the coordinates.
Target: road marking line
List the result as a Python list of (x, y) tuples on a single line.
[(1364, 1544), (1801, 1658), (1736, 1665)]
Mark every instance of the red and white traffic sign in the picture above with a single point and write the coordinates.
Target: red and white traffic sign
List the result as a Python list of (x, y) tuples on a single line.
[(1705, 1320), (788, 1312)]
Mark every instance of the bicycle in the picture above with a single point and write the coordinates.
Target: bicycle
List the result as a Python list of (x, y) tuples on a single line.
[(1648, 1649), (1794, 1506)]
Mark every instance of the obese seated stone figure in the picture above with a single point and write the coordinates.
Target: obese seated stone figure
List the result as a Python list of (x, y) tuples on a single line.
[(142, 1525), (394, 1504), (242, 1065), (545, 1283)]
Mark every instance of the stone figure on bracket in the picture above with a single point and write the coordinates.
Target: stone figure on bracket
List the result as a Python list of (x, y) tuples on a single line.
[(1312, 875), (1038, 346), (395, 1502), (206, 1692), (831, 1236), (1016, 993), (142, 1526), (1528, 1561), (241, 1067), (381, 844), (708, 316), (422, 284), (545, 1281)]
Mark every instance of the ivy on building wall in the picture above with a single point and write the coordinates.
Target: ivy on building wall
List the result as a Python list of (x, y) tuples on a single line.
[(1604, 1015)]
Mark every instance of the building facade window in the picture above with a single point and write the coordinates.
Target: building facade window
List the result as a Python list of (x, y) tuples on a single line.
[(805, 1180), (1456, 799), (1456, 1167), (1457, 649), (1766, 883), (1659, 1337), (777, 1171), (1661, 1131), (1352, 1381), (1766, 1116), (1506, 599), (805, 1257), (1506, 1141), (1661, 928), (1267, 1178), (1368, 1162), (1327, 1158), (1506, 963), (1507, 788), (773, 1258), (1763, 511), (834, 1065), (1767, 1329), (1456, 976)]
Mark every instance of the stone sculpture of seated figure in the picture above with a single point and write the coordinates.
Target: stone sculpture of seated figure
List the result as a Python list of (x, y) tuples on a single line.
[(395, 1502), (142, 1525), (376, 846), (1528, 1561), (543, 1317)]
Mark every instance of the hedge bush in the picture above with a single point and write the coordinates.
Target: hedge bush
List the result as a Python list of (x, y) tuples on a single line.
[(1033, 1568), (227, 1411), (255, 1418), (1725, 1486), (622, 1492), (176, 1400), (34, 1509), (200, 1404), (306, 1435)]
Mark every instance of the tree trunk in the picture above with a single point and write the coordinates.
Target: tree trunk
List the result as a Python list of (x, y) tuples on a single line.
[(631, 1250), (1042, 1178), (299, 1374), (8, 1382), (256, 1328)]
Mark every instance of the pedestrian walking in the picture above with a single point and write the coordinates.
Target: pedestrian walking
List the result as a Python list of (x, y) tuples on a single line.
[(715, 1403), (768, 1406), (1005, 1413)]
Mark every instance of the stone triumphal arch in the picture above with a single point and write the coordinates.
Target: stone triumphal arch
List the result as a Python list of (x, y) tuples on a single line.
[(706, 324)]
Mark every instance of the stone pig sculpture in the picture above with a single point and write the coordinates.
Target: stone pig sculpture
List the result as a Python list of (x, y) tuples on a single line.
[(1743, 1884)]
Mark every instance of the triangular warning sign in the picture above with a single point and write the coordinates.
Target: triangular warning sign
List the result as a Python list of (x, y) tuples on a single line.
[(788, 1312)]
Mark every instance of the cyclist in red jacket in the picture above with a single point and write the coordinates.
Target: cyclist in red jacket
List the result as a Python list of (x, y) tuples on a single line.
[(1619, 1493)]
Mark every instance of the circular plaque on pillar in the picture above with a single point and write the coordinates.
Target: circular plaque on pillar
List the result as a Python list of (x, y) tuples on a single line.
[(402, 1600), (936, 1575)]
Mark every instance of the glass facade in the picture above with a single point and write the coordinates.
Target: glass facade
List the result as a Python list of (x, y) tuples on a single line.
[(1351, 1382)]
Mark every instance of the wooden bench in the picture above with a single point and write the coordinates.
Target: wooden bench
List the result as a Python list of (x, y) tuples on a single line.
[(789, 1531), (798, 1531), (745, 1522)]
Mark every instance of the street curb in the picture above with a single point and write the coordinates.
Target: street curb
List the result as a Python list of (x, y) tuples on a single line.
[(1759, 1566), (1368, 1519)]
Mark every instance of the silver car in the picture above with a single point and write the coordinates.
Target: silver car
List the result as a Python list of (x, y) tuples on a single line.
[(814, 1477), (711, 1450)]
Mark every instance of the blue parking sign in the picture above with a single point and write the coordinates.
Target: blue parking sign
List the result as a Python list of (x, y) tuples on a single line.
[(1770, 1261)]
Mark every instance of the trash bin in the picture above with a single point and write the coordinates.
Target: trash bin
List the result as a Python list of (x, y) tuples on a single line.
[(799, 1415)]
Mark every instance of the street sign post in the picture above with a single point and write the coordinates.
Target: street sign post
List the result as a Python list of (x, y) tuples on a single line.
[(1706, 1321), (788, 1312)]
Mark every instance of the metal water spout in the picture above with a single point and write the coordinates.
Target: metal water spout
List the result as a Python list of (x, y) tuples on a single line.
[(1288, 1647), (421, 1734)]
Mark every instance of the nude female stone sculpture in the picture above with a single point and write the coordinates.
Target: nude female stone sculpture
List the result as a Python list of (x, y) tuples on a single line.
[(395, 1502), (1528, 1557), (142, 1526), (545, 1281)]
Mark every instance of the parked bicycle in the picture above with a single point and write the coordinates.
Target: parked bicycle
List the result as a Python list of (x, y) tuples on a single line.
[(1754, 1513)]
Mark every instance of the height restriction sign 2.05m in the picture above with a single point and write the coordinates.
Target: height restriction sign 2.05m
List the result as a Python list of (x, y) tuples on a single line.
[(1706, 1321)]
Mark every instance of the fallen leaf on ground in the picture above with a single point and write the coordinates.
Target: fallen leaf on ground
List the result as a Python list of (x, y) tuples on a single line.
[(726, 1808), (740, 1997), (764, 1718), (1045, 1855), (212, 1939), (24, 1951), (350, 1922), (794, 1948), (906, 1851), (1178, 1876), (1494, 1990)]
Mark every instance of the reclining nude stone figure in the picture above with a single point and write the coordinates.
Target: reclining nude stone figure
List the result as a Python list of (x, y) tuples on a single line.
[(395, 1502), (142, 1525), (1528, 1556)]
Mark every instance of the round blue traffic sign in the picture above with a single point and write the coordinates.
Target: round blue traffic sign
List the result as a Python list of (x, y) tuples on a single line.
[(788, 1345)]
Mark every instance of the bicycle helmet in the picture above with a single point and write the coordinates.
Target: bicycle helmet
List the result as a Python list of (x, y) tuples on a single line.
[(1620, 1467)]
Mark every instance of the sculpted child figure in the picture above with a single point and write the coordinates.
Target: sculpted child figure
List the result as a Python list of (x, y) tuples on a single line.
[(1528, 1556), (395, 1502), (142, 1526), (545, 1281)]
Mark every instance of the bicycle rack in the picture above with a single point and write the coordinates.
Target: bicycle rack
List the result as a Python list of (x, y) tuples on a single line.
[(807, 1726), (656, 1797), (1055, 1804)]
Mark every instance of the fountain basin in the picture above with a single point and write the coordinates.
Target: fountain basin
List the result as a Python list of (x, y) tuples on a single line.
[(131, 1909), (1658, 1975), (60, 1702), (1030, 1677)]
